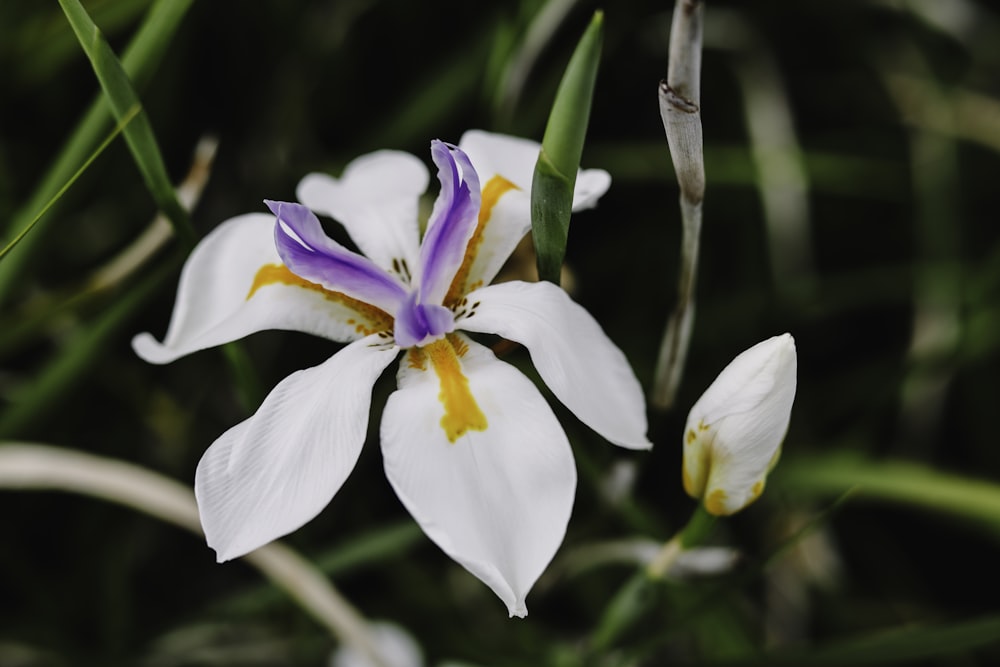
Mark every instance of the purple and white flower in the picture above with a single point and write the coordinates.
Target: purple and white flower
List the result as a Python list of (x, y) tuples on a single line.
[(470, 446)]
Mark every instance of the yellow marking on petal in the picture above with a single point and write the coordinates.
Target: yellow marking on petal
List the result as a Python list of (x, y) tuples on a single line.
[(774, 459), (416, 359), (372, 319), (461, 412), (495, 188), (702, 426), (688, 483), (691, 437), (715, 503), (755, 491), (461, 347)]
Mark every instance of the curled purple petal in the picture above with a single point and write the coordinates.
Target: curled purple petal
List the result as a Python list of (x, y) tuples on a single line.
[(309, 253), (418, 323), (452, 222)]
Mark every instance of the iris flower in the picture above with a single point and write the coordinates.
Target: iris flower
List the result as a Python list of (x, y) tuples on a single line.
[(470, 446)]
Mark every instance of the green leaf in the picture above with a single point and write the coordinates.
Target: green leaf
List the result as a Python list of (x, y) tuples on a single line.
[(559, 159), (122, 98), (895, 481), (129, 115), (140, 58), (635, 599), (33, 400), (901, 645)]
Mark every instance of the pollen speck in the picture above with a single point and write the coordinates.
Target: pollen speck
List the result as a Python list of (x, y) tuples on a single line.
[(461, 412), (691, 436)]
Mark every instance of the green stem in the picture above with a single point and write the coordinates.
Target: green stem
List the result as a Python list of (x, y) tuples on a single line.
[(694, 533)]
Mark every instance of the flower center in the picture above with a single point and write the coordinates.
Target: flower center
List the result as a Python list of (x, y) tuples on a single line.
[(421, 323)]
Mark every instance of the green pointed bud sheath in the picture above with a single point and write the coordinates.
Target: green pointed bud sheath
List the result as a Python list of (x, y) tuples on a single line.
[(559, 159)]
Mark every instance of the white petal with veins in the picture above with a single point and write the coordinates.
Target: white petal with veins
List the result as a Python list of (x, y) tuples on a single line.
[(496, 500), (376, 199), (275, 471), (213, 307), (575, 358)]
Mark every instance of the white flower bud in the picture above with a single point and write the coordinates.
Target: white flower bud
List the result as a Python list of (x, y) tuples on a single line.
[(734, 432)]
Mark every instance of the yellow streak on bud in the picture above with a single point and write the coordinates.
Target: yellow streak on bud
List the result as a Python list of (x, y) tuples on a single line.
[(755, 491), (495, 188), (374, 319), (715, 503), (689, 487), (461, 412)]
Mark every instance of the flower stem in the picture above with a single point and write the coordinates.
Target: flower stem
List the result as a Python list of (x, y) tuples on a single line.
[(35, 467), (693, 534), (680, 99)]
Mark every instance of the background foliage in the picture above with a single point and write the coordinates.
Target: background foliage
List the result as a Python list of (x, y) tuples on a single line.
[(887, 272)]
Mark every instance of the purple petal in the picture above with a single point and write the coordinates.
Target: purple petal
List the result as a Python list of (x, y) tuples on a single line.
[(418, 323), (451, 224), (309, 253)]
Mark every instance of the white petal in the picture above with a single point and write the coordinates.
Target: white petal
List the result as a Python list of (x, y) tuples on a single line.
[(377, 200), (504, 219), (497, 500), (395, 646), (574, 356), (514, 158), (214, 303), (591, 184), (734, 431), (703, 561), (275, 471)]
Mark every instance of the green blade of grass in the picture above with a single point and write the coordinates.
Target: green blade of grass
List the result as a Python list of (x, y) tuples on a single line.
[(559, 159), (129, 115), (139, 133), (139, 60), (895, 481), (918, 642), (34, 400)]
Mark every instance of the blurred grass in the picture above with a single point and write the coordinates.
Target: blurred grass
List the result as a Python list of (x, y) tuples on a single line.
[(139, 60), (125, 106), (290, 87)]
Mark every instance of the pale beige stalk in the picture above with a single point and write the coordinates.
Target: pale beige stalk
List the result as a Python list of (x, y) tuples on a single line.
[(680, 99), (35, 467)]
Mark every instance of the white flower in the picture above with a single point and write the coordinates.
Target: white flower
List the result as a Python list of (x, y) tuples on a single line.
[(734, 432), (470, 446), (396, 647)]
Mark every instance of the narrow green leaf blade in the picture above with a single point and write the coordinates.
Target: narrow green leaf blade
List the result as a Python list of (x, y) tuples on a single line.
[(895, 481), (122, 97), (559, 159), (129, 115), (918, 642), (61, 374), (140, 58)]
